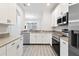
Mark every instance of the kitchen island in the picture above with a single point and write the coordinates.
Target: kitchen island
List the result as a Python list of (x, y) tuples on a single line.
[(39, 37)]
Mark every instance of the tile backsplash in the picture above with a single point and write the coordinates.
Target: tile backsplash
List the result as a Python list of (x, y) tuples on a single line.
[(59, 28), (3, 28)]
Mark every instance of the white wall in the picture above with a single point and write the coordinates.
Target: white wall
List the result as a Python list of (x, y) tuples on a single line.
[(46, 21), (16, 29), (37, 17), (34, 21)]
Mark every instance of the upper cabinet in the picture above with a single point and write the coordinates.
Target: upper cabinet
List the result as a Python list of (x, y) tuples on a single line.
[(64, 8), (74, 16), (59, 12), (12, 13), (73, 12), (7, 13), (54, 18)]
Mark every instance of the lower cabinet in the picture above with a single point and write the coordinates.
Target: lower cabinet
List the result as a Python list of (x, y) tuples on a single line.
[(14, 48), (63, 47), (19, 47), (33, 38), (40, 38), (3, 51)]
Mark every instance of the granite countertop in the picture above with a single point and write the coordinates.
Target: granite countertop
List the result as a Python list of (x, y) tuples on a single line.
[(38, 31), (60, 34), (65, 38), (6, 40)]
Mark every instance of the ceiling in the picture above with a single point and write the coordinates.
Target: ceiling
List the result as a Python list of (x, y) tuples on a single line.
[(37, 9)]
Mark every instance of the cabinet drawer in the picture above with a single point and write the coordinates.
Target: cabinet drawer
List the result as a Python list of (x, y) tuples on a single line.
[(63, 48)]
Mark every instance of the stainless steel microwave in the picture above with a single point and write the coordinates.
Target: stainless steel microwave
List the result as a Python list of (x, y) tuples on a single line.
[(63, 20)]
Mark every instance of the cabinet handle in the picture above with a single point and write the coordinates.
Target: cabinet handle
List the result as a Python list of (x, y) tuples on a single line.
[(64, 42), (17, 46), (13, 43)]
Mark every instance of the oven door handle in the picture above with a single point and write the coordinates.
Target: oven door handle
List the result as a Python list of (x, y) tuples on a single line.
[(58, 40)]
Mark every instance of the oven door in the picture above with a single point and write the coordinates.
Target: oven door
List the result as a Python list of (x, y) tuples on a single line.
[(56, 45), (55, 40)]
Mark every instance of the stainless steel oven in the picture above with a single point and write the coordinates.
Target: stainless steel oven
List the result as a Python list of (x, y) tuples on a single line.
[(74, 34), (56, 44)]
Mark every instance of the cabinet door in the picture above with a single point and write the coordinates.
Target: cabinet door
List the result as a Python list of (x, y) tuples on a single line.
[(3, 12), (63, 48), (46, 38), (33, 38), (64, 8), (39, 39), (56, 16), (3, 51), (11, 17), (12, 49), (53, 19), (20, 46), (8, 13), (43, 37)]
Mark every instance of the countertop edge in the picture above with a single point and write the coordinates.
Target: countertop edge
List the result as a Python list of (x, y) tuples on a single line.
[(5, 43)]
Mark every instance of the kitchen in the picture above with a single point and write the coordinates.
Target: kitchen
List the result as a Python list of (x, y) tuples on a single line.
[(35, 29)]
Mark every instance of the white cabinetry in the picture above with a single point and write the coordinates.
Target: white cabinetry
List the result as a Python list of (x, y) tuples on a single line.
[(46, 38), (20, 47), (40, 38), (11, 13), (3, 51), (64, 8), (15, 48), (12, 49), (59, 11), (32, 38), (3, 12), (56, 14), (7, 13), (54, 19), (63, 47)]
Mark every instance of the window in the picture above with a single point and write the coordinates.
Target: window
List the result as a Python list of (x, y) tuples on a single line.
[(31, 26)]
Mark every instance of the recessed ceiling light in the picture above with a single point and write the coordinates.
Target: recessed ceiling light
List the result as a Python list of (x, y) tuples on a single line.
[(28, 4), (48, 4)]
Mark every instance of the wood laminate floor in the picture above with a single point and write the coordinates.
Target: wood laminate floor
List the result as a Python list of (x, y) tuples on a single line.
[(38, 50)]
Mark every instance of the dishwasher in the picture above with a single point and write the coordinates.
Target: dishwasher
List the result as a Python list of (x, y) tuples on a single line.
[(26, 37)]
